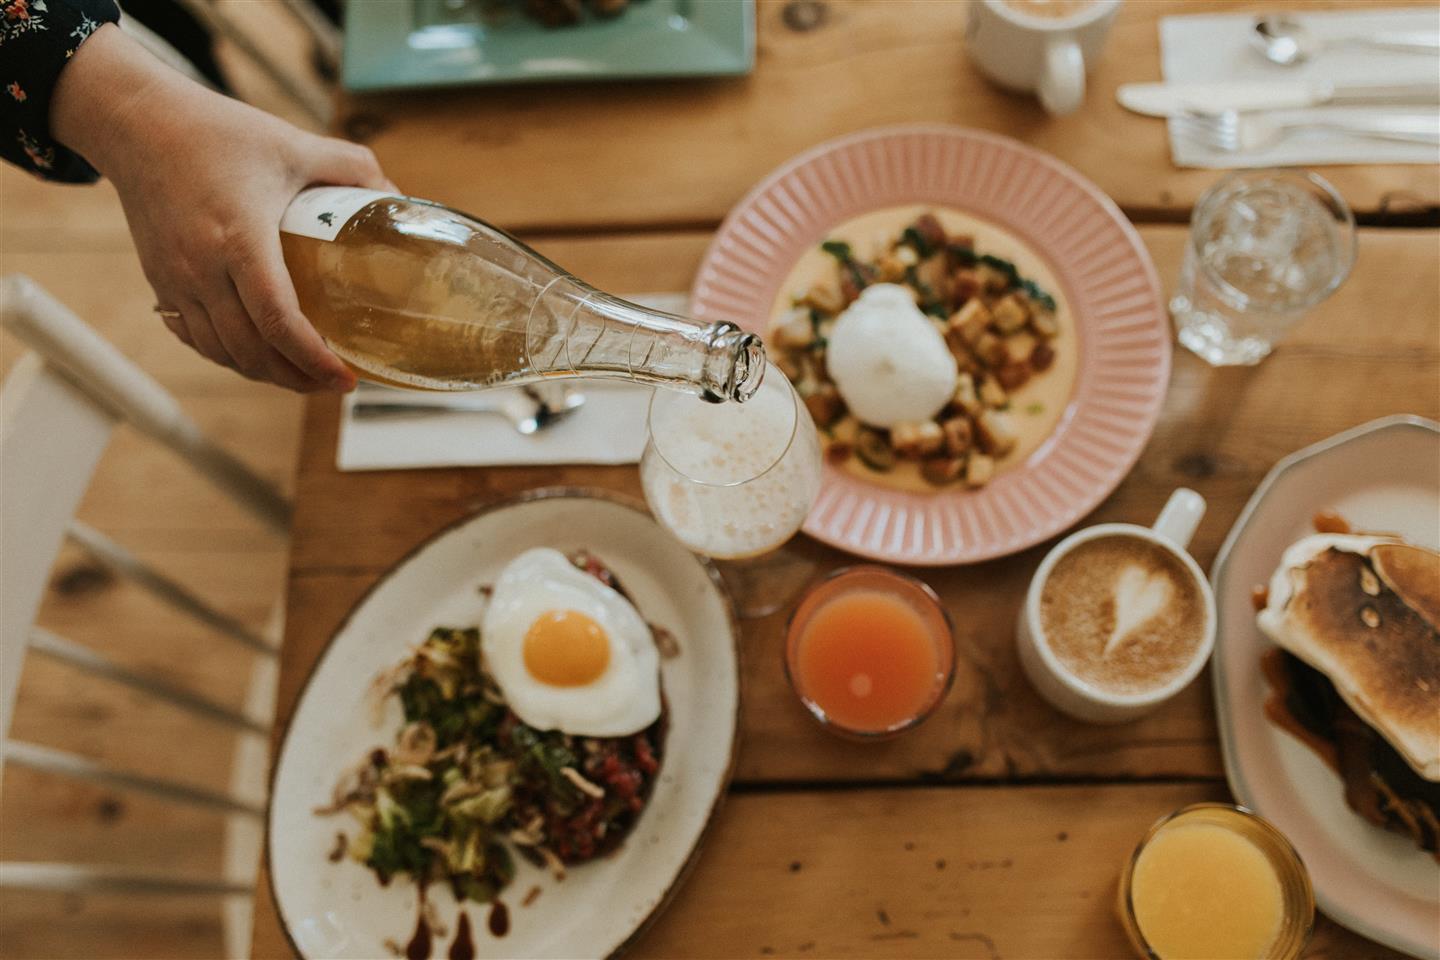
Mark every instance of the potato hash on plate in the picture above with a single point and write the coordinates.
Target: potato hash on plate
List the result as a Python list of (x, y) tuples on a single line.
[(915, 352)]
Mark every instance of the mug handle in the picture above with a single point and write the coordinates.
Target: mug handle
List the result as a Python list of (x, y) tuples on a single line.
[(1180, 517), (1062, 84)]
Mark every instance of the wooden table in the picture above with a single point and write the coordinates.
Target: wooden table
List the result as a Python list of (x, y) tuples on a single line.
[(997, 828), (581, 157)]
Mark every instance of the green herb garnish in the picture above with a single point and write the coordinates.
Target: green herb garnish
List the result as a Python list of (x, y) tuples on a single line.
[(914, 238), (1001, 265), (1033, 291), (965, 256), (840, 250)]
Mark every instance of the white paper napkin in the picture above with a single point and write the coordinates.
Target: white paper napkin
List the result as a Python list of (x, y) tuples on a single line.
[(1207, 49), (608, 429)]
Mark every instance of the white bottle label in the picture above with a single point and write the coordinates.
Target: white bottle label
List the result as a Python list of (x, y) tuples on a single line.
[(320, 212)]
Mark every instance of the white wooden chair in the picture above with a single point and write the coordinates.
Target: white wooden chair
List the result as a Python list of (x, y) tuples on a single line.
[(58, 408)]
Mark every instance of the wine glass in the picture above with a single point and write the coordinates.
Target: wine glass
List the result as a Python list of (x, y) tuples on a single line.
[(735, 481)]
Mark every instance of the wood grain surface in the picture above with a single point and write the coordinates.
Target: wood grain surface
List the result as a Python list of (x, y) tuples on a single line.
[(1219, 432), (583, 156), (997, 829), (980, 872), (996, 776)]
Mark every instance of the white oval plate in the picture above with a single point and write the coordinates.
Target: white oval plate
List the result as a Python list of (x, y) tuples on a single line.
[(1383, 475), (338, 909)]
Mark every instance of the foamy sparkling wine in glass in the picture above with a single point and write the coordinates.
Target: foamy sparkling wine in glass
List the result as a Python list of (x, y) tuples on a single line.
[(732, 481), (1265, 246)]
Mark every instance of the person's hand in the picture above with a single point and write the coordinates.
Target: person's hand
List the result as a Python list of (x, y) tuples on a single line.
[(204, 181)]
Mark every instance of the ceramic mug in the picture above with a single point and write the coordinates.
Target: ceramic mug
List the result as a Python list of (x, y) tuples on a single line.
[(1172, 531), (1037, 53)]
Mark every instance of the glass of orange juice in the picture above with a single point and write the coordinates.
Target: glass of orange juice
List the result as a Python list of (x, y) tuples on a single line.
[(1216, 880), (870, 652)]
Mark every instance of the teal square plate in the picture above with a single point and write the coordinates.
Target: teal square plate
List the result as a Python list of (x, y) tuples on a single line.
[(392, 44)]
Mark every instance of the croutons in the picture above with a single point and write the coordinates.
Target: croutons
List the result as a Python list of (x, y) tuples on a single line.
[(964, 285), (979, 469), (970, 321), (1042, 357), (795, 331), (965, 396), (992, 394), (964, 359), (930, 231), (892, 269), (1012, 376), (816, 362), (874, 450), (1019, 346), (994, 433), (942, 470), (825, 405), (1011, 314), (824, 298), (788, 365), (1000, 330), (1044, 324), (958, 435), (992, 280), (917, 439), (932, 274), (992, 350)]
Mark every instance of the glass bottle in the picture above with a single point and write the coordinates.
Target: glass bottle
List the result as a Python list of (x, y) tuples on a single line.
[(413, 294)]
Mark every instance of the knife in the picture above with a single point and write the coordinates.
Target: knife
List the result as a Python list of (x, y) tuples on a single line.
[(1171, 99)]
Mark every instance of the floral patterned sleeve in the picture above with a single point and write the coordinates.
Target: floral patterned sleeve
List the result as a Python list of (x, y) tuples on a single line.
[(37, 39)]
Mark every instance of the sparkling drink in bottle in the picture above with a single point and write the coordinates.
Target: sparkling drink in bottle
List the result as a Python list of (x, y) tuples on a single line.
[(412, 294)]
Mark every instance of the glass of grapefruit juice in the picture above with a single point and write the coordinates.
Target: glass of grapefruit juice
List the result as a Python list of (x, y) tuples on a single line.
[(870, 652)]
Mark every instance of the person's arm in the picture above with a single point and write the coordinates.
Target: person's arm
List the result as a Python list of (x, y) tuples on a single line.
[(37, 42), (204, 180)]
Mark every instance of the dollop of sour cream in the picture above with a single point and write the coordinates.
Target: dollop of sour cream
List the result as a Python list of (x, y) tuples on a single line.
[(888, 360)]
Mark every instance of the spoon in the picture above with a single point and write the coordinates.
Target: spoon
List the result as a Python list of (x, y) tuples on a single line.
[(529, 409), (1286, 41)]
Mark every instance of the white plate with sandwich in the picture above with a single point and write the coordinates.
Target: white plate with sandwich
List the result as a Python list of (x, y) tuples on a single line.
[(1327, 671)]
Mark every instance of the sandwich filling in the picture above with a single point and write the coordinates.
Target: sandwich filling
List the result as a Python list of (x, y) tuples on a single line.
[(1357, 677)]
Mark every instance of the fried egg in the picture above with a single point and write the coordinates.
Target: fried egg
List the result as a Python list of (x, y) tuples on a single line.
[(568, 652)]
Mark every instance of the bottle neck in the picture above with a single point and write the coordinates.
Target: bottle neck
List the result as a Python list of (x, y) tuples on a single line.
[(575, 330)]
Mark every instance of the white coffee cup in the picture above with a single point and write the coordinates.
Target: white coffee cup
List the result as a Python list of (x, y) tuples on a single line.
[(1172, 531), (1047, 56)]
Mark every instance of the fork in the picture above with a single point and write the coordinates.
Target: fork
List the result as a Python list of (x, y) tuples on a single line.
[(1231, 132)]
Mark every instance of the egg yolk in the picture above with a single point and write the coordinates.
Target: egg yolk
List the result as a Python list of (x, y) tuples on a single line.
[(565, 648)]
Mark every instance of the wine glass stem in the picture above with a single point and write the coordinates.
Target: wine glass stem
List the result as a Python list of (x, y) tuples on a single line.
[(765, 583)]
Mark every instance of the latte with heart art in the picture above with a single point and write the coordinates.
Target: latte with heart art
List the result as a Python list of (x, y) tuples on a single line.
[(1122, 613)]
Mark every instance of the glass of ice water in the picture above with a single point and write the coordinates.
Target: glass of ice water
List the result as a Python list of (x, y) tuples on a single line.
[(1265, 246)]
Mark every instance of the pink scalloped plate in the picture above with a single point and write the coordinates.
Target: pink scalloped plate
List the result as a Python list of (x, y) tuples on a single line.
[(1105, 272)]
